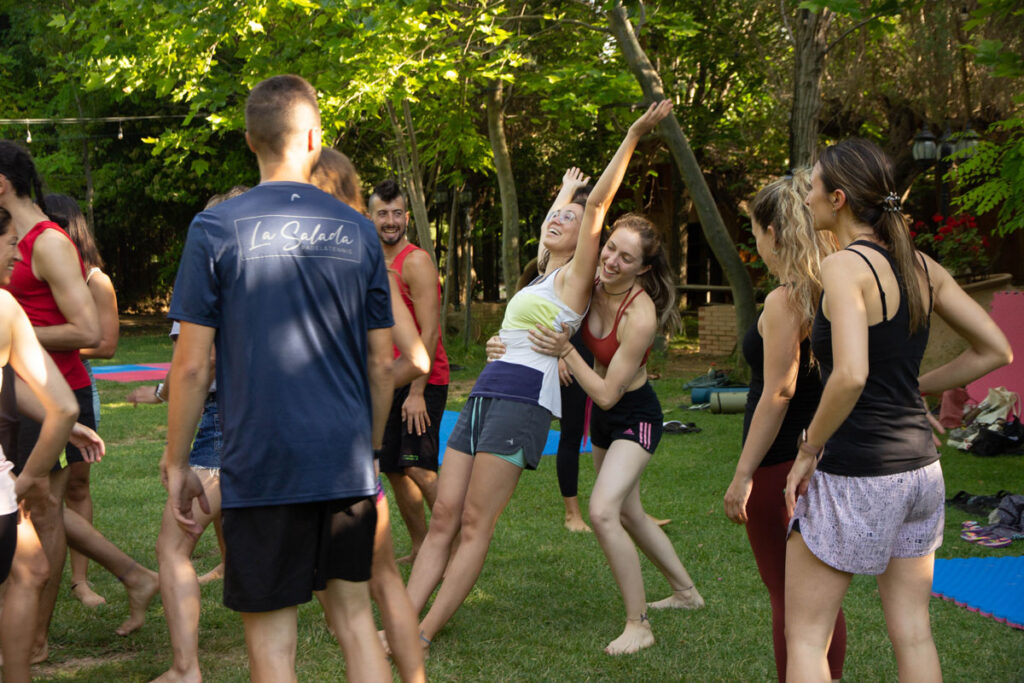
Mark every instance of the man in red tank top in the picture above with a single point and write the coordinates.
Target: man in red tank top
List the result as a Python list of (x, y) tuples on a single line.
[(410, 453)]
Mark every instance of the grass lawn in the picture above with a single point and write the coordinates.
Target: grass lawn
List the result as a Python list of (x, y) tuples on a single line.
[(546, 603)]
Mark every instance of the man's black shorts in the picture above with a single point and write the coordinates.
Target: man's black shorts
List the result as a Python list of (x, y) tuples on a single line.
[(277, 555), (402, 449)]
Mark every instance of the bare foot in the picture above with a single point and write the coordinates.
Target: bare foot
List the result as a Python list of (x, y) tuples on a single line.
[(576, 523), (684, 599), (215, 574), (86, 595), (40, 655), (659, 522), (636, 636), (172, 676), (141, 584)]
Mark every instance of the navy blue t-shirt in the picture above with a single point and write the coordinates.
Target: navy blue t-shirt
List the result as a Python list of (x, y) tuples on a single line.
[(292, 279)]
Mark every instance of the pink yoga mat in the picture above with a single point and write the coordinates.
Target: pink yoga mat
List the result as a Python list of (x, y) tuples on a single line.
[(1008, 312)]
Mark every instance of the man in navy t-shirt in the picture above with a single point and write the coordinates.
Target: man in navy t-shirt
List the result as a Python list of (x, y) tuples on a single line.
[(292, 287)]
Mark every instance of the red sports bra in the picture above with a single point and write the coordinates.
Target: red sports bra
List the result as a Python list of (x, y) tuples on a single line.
[(605, 347)]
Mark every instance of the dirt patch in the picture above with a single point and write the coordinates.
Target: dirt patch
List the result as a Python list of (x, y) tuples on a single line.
[(78, 664)]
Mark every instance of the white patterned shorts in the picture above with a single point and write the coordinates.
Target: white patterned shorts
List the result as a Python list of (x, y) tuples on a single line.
[(857, 524)]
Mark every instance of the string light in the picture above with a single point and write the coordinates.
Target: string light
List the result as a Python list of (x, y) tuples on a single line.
[(120, 131), (28, 134)]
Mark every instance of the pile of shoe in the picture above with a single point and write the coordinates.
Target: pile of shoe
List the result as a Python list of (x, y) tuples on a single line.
[(1005, 523)]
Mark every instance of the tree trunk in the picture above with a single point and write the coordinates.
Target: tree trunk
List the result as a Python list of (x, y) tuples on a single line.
[(450, 279), (409, 164), (510, 270), (467, 255), (810, 31), (711, 221)]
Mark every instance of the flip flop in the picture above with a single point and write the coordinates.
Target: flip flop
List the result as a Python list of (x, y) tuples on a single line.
[(969, 525), (986, 540), (677, 427)]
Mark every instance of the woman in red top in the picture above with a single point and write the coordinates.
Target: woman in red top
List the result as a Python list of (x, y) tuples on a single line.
[(49, 284), (633, 300)]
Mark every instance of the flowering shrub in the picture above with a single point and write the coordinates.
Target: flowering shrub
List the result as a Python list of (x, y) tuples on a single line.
[(955, 243)]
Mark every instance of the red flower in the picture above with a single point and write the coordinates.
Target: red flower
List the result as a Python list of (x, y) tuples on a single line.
[(946, 229), (939, 238), (937, 218), (913, 234), (918, 225), (984, 241)]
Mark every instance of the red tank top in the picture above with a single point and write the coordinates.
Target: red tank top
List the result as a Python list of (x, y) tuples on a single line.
[(35, 297), (605, 347), (439, 370)]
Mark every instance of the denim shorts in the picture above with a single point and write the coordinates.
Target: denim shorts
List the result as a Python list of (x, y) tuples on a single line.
[(209, 441)]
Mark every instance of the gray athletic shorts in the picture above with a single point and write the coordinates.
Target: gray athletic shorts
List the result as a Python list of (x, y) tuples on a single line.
[(511, 430), (857, 524)]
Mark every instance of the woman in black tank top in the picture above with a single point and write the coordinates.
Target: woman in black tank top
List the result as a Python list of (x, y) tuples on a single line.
[(866, 470)]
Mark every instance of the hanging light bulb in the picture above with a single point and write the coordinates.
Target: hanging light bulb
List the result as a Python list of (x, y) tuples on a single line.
[(120, 131), (28, 134)]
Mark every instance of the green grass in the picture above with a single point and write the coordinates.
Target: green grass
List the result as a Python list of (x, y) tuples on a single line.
[(546, 603)]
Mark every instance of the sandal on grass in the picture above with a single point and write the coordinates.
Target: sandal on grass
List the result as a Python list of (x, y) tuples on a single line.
[(985, 540), (677, 427)]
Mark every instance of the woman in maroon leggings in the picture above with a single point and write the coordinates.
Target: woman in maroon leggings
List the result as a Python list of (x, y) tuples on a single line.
[(784, 391)]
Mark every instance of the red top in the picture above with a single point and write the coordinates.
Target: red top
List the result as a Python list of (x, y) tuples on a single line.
[(34, 295), (605, 347), (439, 368)]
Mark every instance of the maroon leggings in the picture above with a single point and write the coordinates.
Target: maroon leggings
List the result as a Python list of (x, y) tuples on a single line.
[(766, 529)]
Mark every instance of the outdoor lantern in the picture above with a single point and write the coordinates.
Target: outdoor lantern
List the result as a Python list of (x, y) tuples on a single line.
[(924, 147), (967, 143)]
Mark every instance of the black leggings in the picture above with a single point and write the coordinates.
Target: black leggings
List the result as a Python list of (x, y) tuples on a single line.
[(574, 402), (8, 541)]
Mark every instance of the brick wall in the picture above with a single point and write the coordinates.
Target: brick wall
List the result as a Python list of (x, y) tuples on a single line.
[(716, 327)]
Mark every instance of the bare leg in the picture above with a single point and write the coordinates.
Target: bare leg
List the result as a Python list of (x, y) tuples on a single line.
[(49, 524), (29, 573), (618, 474), (573, 515), (217, 573), (78, 498), (388, 591), (270, 639), (433, 557), (905, 588), (348, 604), (814, 593), (426, 481), (490, 487), (179, 587), (410, 506), (140, 583)]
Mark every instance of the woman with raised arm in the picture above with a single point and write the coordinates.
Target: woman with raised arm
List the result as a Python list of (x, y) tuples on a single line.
[(784, 390), (65, 212), (504, 424), (867, 473), (633, 300)]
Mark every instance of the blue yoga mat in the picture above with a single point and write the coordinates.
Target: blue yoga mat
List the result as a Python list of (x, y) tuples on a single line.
[(448, 423), (990, 586)]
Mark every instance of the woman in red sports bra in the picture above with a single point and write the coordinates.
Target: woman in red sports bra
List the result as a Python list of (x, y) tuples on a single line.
[(633, 300)]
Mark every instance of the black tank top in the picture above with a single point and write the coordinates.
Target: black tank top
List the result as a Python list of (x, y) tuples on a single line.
[(9, 417), (801, 406), (887, 432)]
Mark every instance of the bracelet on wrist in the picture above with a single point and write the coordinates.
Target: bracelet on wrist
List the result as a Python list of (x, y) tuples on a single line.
[(157, 393), (810, 449)]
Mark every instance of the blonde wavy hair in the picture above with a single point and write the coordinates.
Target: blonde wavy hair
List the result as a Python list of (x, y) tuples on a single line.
[(799, 249)]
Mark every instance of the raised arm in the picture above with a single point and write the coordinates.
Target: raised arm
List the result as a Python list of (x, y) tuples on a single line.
[(988, 347), (105, 298), (55, 261), (781, 331), (579, 277), (571, 181)]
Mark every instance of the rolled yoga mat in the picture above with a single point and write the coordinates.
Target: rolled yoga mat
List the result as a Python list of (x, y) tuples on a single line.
[(728, 401)]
